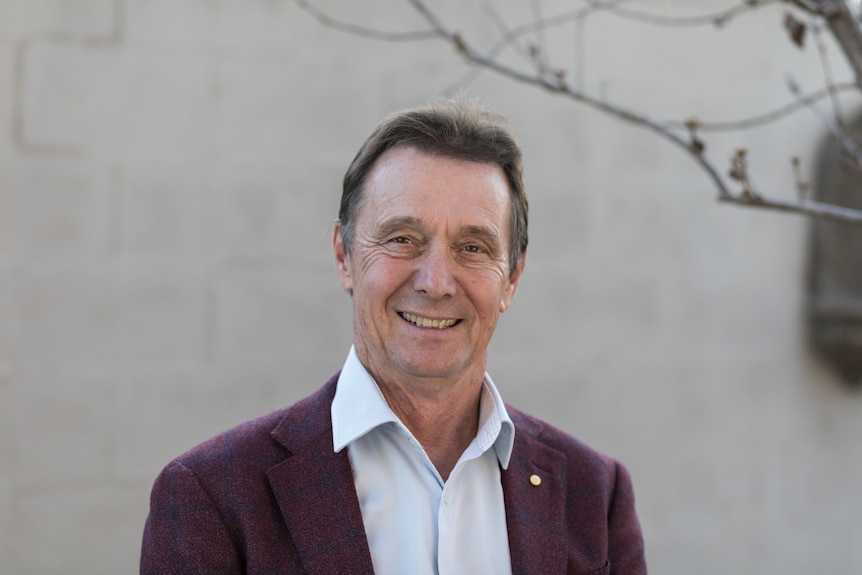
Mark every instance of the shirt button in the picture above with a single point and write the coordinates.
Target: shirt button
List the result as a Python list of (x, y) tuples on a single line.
[(447, 498)]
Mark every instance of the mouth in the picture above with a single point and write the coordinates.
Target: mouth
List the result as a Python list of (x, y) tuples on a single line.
[(428, 323)]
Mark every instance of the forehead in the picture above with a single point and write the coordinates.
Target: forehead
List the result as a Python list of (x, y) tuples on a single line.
[(405, 180)]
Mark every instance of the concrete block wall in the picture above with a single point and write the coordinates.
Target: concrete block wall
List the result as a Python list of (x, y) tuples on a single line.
[(169, 173)]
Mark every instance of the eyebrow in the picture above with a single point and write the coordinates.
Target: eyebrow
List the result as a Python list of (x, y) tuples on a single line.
[(386, 227), (488, 235)]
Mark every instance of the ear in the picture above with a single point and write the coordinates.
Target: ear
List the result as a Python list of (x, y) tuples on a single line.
[(342, 259), (509, 289)]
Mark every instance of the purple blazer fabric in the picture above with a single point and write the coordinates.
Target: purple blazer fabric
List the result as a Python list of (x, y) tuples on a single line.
[(270, 497)]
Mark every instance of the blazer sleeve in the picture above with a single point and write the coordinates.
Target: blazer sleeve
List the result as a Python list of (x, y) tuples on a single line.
[(625, 540), (185, 532)]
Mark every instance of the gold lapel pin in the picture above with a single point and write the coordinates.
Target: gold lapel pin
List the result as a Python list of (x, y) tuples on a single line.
[(535, 480)]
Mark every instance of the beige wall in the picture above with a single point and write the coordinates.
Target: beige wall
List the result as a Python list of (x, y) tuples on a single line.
[(169, 171)]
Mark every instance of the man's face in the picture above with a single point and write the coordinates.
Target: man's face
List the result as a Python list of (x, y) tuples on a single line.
[(429, 266)]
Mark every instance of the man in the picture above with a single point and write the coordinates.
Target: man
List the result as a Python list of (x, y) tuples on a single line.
[(407, 461)]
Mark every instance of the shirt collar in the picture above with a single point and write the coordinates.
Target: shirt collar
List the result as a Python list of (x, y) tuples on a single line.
[(359, 406)]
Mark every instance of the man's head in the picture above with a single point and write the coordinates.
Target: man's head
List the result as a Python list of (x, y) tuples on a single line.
[(452, 129), (433, 206)]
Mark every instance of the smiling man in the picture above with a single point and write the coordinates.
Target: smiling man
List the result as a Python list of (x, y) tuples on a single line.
[(407, 461)]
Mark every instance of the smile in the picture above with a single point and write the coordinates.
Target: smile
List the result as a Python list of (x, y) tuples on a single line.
[(429, 323)]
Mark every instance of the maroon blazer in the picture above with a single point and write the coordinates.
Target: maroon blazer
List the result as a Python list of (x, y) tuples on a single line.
[(270, 497)]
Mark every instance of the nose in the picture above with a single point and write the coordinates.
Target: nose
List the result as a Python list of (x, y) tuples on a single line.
[(435, 273)]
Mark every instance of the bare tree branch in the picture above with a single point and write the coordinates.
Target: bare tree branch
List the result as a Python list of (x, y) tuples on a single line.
[(848, 144), (558, 85), (616, 7), (803, 188), (508, 36), (362, 31), (847, 30), (814, 7), (802, 207), (716, 18), (798, 104), (690, 144), (541, 48), (836, 14), (828, 78)]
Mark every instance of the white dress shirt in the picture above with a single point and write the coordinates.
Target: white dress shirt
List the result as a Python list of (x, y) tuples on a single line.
[(414, 521)]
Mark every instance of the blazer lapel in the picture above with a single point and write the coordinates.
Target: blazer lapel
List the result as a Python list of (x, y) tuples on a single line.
[(534, 492), (315, 491)]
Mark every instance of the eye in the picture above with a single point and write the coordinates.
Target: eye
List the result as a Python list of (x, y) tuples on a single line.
[(402, 245), (473, 248)]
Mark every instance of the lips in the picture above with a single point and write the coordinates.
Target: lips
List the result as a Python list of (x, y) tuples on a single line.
[(427, 322)]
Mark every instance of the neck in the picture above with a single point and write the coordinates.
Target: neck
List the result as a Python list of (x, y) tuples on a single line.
[(443, 418)]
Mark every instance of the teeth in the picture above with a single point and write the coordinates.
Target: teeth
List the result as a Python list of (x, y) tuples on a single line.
[(431, 323)]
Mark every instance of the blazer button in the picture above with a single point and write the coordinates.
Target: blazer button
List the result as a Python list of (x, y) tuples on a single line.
[(535, 480)]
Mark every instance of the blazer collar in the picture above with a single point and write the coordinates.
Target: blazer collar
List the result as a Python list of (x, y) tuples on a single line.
[(535, 514), (314, 487)]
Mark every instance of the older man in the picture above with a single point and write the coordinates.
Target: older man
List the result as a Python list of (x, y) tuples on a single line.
[(407, 461)]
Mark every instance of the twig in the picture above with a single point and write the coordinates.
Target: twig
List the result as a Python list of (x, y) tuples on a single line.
[(558, 85), (769, 117), (541, 49), (848, 144), (508, 37), (739, 172), (580, 52), (839, 127), (362, 31), (814, 7), (827, 76), (567, 17), (802, 207), (616, 8), (579, 16), (803, 188), (716, 18), (846, 28)]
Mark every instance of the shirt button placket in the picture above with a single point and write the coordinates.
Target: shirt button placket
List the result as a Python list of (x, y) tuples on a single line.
[(444, 520)]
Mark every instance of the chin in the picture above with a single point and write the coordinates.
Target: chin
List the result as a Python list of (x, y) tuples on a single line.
[(439, 368)]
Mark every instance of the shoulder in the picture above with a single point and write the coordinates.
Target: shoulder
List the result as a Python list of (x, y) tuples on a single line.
[(257, 445), (581, 459), (212, 508), (250, 440)]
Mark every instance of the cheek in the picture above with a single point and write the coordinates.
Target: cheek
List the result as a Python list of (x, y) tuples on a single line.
[(363, 270), (489, 296), (377, 278)]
